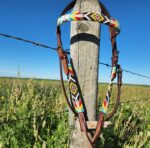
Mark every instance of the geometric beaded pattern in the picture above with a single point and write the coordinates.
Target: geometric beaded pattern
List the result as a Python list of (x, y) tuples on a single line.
[(74, 91), (89, 16), (106, 101), (100, 18)]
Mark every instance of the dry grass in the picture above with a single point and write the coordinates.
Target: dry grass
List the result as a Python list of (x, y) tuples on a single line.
[(25, 98)]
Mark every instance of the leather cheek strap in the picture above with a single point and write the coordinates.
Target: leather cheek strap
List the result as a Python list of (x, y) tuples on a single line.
[(63, 59)]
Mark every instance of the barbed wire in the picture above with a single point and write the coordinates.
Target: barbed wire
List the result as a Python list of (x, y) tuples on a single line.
[(58, 113), (31, 117), (53, 48), (127, 71), (130, 101), (27, 41), (62, 112), (3, 114), (124, 102)]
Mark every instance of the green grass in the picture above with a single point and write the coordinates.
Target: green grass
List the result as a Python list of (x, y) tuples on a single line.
[(41, 99)]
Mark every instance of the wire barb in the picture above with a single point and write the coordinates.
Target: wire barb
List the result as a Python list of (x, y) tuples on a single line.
[(127, 71), (27, 41), (67, 52)]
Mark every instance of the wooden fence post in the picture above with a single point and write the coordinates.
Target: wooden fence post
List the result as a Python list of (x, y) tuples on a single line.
[(85, 36)]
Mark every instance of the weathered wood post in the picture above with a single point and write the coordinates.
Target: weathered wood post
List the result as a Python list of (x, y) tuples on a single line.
[(85, 36)]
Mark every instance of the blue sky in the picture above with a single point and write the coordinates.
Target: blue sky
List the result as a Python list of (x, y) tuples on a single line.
[(36, 20)]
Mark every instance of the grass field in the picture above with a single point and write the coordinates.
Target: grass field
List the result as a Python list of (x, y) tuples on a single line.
[(33, 114)]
